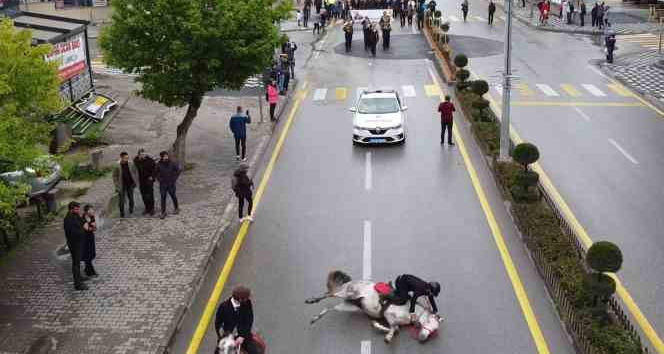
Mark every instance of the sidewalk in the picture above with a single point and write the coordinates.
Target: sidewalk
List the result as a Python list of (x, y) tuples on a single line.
[(625, 21), (149, 268), (643, 72)]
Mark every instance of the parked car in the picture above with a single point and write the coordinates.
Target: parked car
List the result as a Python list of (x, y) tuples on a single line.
[(42, 175)]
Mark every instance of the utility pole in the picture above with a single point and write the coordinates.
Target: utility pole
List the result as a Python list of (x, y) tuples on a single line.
[(507, 78)]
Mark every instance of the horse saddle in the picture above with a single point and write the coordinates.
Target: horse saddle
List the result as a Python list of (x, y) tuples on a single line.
[(387, 294)]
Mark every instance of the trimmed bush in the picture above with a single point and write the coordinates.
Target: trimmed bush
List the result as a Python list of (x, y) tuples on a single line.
[(460, 61), (479, 87), (601, 287), (437, 14), (604, 256), (445, 26), (525, 154)]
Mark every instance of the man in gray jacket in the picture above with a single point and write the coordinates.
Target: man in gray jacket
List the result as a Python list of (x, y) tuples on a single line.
[(125, 178)]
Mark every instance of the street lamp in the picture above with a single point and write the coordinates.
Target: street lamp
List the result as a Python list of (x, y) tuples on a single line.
[(507, 82)]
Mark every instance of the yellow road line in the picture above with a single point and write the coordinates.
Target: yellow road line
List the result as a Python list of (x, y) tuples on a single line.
[(341, 93), (204, 322), (510, 268), (619, 90), (571, 103), (524, 90), (571, 90), (432, 90), (564, 208), (647, 104)]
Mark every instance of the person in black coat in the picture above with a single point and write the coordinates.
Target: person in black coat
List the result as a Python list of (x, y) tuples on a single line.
[(242, 186), (167, 173), (237, 313), (406, 284), (74, 233), (89, 248), (610, 43), (146, 166)]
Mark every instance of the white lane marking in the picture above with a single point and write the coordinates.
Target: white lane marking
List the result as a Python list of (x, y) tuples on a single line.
[(625, 153), (547, 90), (597, 71), (582, 114), (367, 172), (594, 90), (320, 94), (454, 19), (431, 73), (502, 17), (366, 347), (359, 92), (480, 18), (366, 251), (408, 90)]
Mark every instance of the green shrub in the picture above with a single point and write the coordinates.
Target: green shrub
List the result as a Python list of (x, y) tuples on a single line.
[(480, 87), (445, 26), (437, 14), (604, 256), (460, 61), (481, 105), (488, 133), (463, 75), (525, 154), (94, 138)]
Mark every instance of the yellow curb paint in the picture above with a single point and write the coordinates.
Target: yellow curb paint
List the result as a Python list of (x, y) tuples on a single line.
[(510, 268), (432, 90), (619, 90), (204, 322), (524, 90), (581, 232), (341, 93), (570, 90)]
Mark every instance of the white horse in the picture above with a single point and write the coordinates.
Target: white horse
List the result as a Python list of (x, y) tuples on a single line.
[(360, 295), (228, 345)]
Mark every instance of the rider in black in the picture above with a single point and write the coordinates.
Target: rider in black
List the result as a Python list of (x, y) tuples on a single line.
[(406, 283)]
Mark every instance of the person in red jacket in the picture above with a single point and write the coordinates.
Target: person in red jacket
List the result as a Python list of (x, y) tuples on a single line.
[(446, 110)]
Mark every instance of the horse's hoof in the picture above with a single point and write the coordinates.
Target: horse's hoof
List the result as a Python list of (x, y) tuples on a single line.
[(387, 340), (310, 300)]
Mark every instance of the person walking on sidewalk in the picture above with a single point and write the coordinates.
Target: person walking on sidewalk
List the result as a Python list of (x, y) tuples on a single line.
[(242, 186), (582, 13), (492, 10), (600, 16), (89, 248), (464, 9), (145, 166), (446, 110), (125, 178), (237, 313), (289, 49), (348, 33), (74, 233), (167, 173), (386, 27), (238, 125), (610, 43), (272, 97)]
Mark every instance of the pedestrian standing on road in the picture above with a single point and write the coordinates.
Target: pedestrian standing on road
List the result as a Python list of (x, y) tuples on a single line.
[(238, 125), (145, 166), (593, 15), (582, 13), (563, 10), (74, 233), (316, 20), (272, 97), (606, 13), (386, 27), (237, 313), (167, 173), (600, 16), (420, 15), (318, 4), (546, 11), (373, 38), (610, 43), (365, 31), (125, 178), (306, 13), (570, 12), (446, 110), (242, 185), (464, 9), (299, 17), (348, 33), (411, 12), (403, 12), (492, 10), (89, 248), (289, 49)]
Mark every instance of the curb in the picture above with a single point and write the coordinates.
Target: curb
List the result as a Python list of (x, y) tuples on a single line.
[(658, 103), (225, 221)]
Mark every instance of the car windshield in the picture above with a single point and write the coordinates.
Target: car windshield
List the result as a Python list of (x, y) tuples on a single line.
[(378, 105)]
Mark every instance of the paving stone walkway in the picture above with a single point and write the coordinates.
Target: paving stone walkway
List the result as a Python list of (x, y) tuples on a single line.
[(149, 268), (643, 72)]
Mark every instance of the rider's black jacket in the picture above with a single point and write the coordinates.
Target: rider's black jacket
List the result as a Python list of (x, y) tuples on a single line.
[(228, 318), (406, 283)]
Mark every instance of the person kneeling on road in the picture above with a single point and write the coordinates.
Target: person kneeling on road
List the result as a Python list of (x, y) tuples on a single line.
[(237, 313), (406, 284)]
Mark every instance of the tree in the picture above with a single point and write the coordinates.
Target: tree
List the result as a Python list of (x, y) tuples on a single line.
[(29, 91), (525, 154), (602, 257), (182, 49)]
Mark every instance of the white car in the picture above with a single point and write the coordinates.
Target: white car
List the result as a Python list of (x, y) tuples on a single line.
[(379, 118)]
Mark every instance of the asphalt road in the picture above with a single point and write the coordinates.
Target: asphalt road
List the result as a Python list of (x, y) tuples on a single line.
[(424, 215), (601, 147)]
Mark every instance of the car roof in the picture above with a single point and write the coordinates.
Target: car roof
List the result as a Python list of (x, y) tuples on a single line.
[(378, 93)]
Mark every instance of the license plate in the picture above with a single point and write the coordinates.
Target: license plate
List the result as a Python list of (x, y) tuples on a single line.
[(377, 140)]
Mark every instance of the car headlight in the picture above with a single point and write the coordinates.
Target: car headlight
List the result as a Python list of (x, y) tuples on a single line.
[(398, 126)]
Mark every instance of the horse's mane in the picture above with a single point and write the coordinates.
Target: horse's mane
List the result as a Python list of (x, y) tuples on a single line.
[(335, 279)]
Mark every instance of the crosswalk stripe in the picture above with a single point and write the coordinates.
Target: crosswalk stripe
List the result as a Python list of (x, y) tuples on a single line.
[(571, 90), (480, 18), (547, 90), (408, 90), (320, 94), (454, 19), (593, 90), (502, 17), (432, 90), (359, 91), (341, 93), (620, 90), (524, 90)]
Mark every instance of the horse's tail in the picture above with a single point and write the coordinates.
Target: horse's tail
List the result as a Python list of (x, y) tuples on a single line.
[(335, 279)]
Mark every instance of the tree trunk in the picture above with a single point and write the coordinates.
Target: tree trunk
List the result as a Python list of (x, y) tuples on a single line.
[(180, 144)]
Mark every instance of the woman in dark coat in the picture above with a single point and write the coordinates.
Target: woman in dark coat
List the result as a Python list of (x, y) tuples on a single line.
[(242, 186), (89, 248)]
